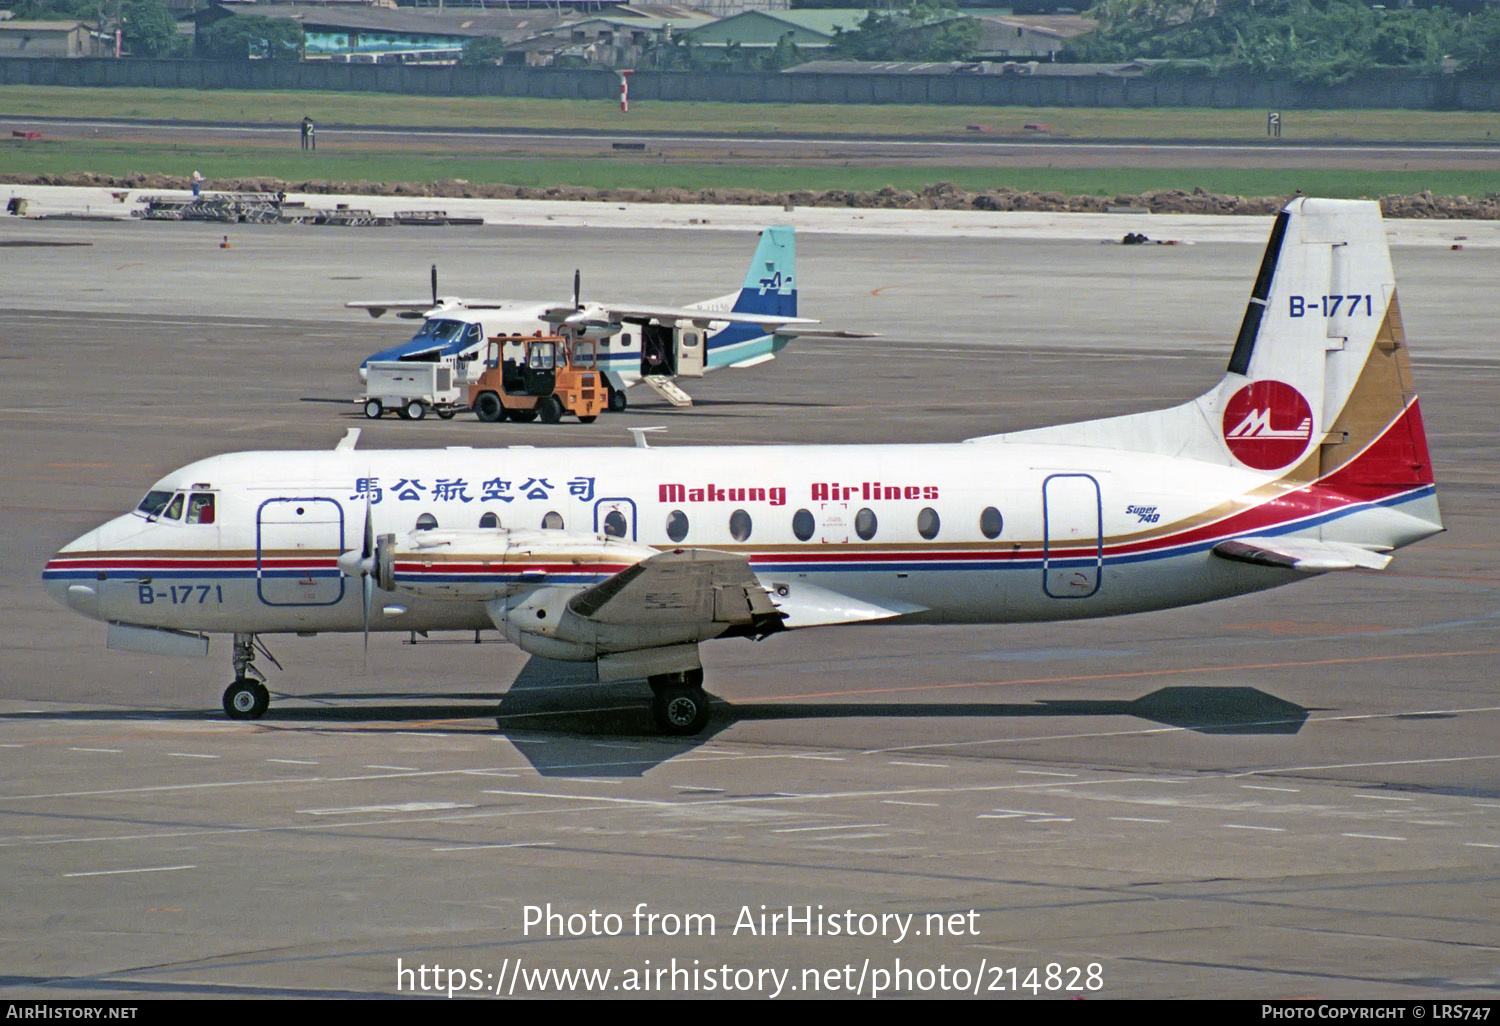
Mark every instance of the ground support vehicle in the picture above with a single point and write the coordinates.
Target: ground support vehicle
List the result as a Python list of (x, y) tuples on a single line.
[(413, 388), (531, 377)]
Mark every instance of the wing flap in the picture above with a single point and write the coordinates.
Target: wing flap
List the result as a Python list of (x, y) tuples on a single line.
[(679, 587), (605, 311), (1306, 555)]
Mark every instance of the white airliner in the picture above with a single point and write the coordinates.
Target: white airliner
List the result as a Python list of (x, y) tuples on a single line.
[(637, 341), (1309, 456)]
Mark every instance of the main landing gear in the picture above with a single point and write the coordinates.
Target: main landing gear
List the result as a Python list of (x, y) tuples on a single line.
[(678, 702), (247, 698)]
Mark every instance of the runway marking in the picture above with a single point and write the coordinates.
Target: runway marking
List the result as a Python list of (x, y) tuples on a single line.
[(191, 755), (1383, 798), (1364, 765), (1479, 844), (1051, 819), (1133, 675), (1046, 773), (295, 762), (107, 751), (925, 805), (402, 807), (117, 872), (819, 758), (400, 769), (1137, 819), (1246, 826), (919, 765), (1265, 787), (486, 847), (1374, 837), (992, 815), (843, 826)]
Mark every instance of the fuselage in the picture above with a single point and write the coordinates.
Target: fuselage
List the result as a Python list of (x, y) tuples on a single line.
[(958, 533)]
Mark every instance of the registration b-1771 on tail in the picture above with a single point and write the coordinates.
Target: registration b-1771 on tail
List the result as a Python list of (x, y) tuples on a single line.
[(1308, 456)]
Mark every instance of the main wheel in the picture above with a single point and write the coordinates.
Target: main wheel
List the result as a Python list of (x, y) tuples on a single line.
[(246, 699), (446, 414), (617, 401), (587, 420), (521, 416), (680, 711), (415, 410), (550, 409), (373, 409), (489, 408)]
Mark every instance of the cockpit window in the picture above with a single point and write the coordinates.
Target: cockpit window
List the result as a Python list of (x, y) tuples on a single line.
[(200, 508), (174, 511), (441, 330), (154, 503)]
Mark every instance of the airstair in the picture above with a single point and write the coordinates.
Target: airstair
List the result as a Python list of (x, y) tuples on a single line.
[(668, 390)]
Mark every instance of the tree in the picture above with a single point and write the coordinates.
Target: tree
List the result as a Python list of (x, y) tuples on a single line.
[(243, 37), (148, 30), (484, 50), (926, 31)]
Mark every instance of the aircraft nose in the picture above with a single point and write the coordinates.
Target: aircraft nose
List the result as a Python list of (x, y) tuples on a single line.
[(72, 576)]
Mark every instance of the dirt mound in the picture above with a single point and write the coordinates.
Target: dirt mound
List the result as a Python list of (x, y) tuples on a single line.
[(941, 196)]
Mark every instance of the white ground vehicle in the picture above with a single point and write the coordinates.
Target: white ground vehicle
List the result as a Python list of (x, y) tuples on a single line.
[(413, 388)]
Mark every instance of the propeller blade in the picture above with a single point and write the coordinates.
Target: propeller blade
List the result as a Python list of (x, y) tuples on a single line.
[(577, 288), (367, 594), (368, 548), (434, 285)]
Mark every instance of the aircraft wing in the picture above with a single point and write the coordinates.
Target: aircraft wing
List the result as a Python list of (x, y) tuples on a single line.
[(1307, 555), (377, 307), (677, 587), (604, 311)]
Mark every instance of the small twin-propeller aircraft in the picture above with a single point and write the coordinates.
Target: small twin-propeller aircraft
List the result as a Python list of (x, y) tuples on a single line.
[(637, 341), (1308, 456)]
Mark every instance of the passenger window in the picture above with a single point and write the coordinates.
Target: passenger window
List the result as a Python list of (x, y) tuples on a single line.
[(201, 508), (489, 520), (174, 511), (991, 522), (426, 522), (625, 340), (928, 523), (739, 525), (614, 524), (553, 521), (677, 525), (865, 523), (803, 524)]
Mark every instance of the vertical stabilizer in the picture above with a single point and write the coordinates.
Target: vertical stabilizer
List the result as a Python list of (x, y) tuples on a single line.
[(1319, 383), (771, 282)]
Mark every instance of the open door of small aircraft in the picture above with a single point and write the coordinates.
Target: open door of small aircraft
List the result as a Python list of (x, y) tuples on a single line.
[(690, 347)]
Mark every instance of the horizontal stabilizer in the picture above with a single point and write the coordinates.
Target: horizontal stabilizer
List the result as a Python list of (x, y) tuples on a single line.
[(805, 605), (1303, 554), (701, 317)]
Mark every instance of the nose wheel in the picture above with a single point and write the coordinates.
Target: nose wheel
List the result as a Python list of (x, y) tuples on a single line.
[(246, 699)]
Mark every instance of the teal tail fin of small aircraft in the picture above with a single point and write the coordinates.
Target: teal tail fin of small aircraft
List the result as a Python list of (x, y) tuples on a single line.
[(771, 282)]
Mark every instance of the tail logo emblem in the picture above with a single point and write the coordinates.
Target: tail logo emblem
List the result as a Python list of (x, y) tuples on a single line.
[(1267, 425)]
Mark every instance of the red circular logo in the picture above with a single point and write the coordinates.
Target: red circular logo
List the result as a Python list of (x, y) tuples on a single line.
[(1267, 424)]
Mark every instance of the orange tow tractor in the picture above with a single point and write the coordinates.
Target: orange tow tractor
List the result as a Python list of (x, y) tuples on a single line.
[(527, 377)]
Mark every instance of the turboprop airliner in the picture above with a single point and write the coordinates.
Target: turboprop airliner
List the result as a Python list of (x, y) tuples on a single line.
[(637, 341), (1308, 457)]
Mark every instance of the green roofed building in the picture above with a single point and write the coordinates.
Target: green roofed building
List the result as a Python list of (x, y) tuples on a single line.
[(754, 29)]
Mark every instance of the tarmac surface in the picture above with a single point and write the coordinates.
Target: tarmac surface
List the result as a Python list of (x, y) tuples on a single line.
[(1295, 793)]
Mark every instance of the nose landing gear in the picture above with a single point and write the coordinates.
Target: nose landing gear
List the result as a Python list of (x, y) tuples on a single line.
[(247, 698)]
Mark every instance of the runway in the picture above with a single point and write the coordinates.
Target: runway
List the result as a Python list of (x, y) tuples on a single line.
[(1294, 793), (975, 150)]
